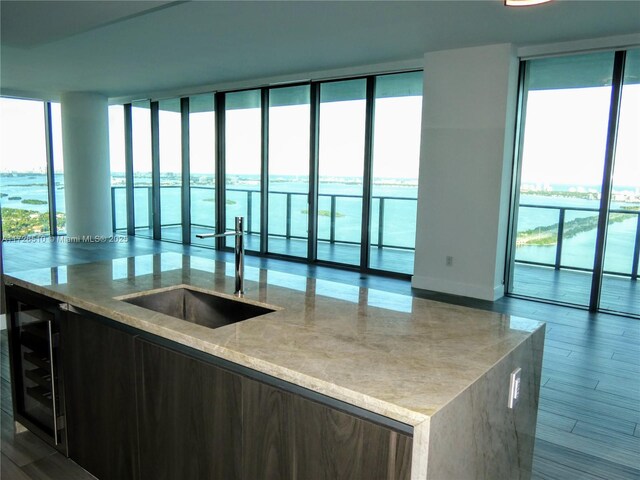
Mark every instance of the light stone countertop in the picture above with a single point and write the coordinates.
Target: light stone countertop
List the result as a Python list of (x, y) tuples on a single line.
[(395, 355)]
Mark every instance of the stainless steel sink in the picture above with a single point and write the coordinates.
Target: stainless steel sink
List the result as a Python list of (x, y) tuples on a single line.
[(197, 307)]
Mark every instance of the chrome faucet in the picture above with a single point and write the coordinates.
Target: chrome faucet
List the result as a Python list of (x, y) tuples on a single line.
[(239, 251)]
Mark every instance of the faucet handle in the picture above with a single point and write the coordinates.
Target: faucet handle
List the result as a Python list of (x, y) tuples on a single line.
[(238, 231)]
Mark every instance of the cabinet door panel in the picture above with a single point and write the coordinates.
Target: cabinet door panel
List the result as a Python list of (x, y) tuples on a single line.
[(100, 397), (333, 445), (400, 463), (266, 438), (189, 416), (288, 436)]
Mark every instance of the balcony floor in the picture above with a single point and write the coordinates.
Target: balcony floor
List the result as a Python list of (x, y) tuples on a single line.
[(619, 294), (387, 258)]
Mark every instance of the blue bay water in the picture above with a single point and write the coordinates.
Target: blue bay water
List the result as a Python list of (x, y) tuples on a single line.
[(28, 187), (579, 250), (399, 213)]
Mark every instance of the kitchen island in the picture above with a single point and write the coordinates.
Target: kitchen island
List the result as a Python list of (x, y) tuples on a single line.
[(437, 374)]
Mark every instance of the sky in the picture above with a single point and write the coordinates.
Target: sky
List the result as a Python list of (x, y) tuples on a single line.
[(22, 137), (565, 137), (564, 140), (396, 148)]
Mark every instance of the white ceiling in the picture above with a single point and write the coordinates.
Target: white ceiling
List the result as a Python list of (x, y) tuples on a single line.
[(127, 48)]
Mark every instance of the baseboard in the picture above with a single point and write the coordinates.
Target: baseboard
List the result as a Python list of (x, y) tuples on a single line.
[(458, 288)]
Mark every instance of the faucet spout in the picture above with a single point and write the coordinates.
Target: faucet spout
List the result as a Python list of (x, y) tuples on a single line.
[(238, 251)]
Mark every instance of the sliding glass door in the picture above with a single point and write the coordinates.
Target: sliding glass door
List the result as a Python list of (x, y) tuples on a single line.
[(396, 158), (289, 119), (57, 160), (243, 154), (340, 170), (568, 113), (620, 290), (24, 194), (202, 158), (563, 150), (141, 146), (170, 151), (117, 160)]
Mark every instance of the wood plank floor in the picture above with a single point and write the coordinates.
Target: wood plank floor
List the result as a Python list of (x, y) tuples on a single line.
[(589, 415)]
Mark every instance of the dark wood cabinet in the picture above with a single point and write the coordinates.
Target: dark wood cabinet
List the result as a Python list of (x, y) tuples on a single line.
[(267, 446), (100, 397), (287, 436), (333, 445), (198, 420), (189, 415)]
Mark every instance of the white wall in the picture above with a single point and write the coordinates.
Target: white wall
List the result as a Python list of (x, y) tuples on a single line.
[(465, 170), (87, 171)]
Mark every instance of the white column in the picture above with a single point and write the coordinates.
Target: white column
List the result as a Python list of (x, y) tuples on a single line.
[(87, 176), (465, 170)]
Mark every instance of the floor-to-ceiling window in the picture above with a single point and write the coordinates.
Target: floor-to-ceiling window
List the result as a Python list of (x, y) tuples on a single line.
[(325, 171), (243, 163), (289, 120), (57, 160), (568, 109), (202, 155), (24, 191), (142, 182), (170, 162), (117, 165), (622, 250), (396, 158), (341, 170)]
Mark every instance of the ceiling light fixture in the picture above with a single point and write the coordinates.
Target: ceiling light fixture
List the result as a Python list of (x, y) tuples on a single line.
[(523, 3)]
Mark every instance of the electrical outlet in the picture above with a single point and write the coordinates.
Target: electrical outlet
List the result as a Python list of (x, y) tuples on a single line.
[(449, 261), (514, 387)]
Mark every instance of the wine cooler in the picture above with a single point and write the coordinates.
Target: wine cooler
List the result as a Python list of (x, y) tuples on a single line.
[(38, 400)]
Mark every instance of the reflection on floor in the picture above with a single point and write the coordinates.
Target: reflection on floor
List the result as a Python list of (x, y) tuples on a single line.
[(589, 412), (390, 259)]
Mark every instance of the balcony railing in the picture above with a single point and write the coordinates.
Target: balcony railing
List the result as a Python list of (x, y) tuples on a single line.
[(380, 228), (560, 238)]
